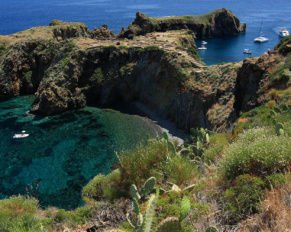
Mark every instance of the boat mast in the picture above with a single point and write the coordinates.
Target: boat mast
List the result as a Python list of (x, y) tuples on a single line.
[(261, 33)]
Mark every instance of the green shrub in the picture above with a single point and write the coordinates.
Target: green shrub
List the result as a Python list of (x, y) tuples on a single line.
[(3, 48), (99, 77), (24, 223), (211, 154), (28, 76), (79, 216), (94, 189), (17, 205), (112, 188), (153, 48), (103, 187), (143, 162), (123, 47), (65, 62), (17, 214), (275, 180), (259, 116), (168, 205), (259, 151), (283, 42), (180, 169), (243, 198), (182, 75)]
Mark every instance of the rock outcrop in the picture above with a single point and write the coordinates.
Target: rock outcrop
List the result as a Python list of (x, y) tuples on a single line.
[(160, 70), (216, 23)]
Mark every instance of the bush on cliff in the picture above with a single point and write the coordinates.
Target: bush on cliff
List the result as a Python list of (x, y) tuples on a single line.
[(103, 187), (243, 198), (18, 213), (143, 162), (257, 151)]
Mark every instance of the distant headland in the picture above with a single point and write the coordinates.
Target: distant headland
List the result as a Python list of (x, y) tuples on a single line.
[(155, 62)]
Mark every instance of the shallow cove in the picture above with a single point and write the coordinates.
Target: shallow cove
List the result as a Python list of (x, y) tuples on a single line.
[(63, 152)]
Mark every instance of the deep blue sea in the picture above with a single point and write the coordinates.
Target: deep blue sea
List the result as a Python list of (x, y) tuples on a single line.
[(64, 152)]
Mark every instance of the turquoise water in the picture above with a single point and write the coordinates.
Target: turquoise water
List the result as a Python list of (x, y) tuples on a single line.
[(62, 152)]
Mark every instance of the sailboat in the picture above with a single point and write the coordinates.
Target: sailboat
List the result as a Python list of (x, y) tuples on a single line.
[(261, 38)]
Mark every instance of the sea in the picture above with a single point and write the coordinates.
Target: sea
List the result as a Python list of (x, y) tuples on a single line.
[(63, 152)]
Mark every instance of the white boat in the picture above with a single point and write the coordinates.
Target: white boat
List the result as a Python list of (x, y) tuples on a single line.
[(23, 135), (261, 38), (17, 136), (203, 42), (283, 33), (247, 51), (202, 47)]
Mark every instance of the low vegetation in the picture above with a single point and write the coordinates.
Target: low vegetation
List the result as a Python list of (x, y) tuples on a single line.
[(218, 182)]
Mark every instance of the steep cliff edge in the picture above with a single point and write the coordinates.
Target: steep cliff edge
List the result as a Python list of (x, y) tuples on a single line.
[(216, 23), (161, 70)]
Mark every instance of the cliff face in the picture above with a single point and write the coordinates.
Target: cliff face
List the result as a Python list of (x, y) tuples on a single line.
[(217, 23), (66, 76), (71, 73)]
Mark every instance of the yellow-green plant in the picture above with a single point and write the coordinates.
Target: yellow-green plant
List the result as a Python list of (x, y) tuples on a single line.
[(173, 224)]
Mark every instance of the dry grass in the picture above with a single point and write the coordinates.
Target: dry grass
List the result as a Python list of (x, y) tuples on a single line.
[(208, 195), (275, 212)]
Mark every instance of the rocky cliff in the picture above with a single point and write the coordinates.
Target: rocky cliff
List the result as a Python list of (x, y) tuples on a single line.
[(216, 23), (160, 70)]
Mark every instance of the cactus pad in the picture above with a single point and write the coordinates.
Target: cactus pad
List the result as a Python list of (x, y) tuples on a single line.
[(147, 221), (133, 192), (149, 186), (185, 208), (171, 147), (211, 229), (171, 224)]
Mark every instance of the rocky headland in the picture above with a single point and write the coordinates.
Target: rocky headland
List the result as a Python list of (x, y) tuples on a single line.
[(154, 62)]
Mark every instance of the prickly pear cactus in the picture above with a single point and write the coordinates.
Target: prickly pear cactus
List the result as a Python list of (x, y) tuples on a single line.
[(171, 147), (136, 207), (147, 221), (279, 129), (211, 229), (277, 110), (149, 186), (273, 113), (185, 208), (134, 193), (171, 224), (165, 135)]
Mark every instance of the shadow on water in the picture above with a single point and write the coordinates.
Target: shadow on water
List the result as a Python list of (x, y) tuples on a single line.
[(63, 152)]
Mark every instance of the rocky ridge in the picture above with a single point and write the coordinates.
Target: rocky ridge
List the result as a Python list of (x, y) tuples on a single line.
[(216, 23), (67, 68)]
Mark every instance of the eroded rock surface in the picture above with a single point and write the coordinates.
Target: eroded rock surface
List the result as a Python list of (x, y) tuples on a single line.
[(71, 69), (216, 23)]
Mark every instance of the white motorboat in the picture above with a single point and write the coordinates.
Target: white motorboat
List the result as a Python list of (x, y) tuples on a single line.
[(283, 33), (23, 135), (261, 38), (17, 136), (202, 47), (203, 42), (247, 51)]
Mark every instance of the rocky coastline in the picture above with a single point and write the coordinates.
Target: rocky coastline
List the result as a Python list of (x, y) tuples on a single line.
[(67, 66)]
